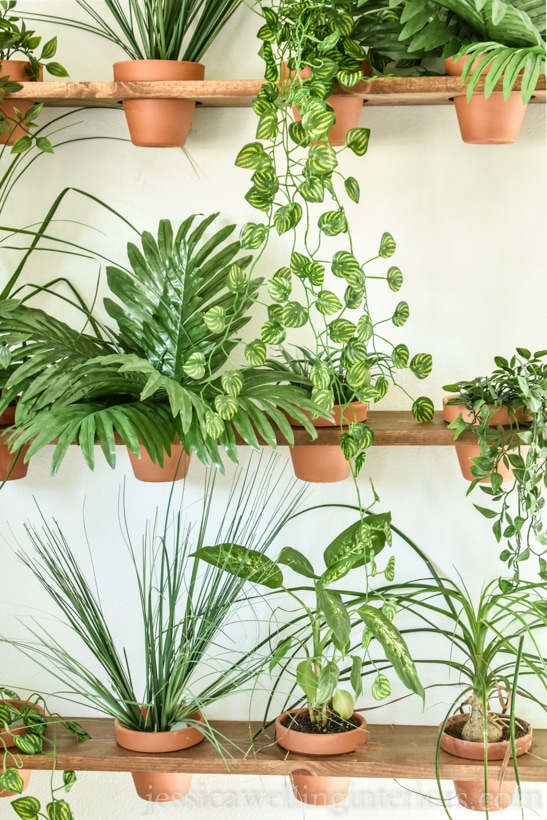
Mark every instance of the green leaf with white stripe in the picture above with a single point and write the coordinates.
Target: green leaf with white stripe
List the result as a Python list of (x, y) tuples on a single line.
[(341, 330), (320, 376), (401, 314), (389, 571), (242, 562), (279, 288), (357, 140), (317, 119), (328, 303), (252, 235), (213, 424), (27, 808), (294, 315), (344, 264), (267, 125), (258, 200), (287, 217), (322, 159), (387, 246), (194, 366), (11, 781), (381, 687), (272, 333), (232, 382), (215, 319), (59, 810), (352, 188), (327, 682), (395, 278), (237, 280), (255, 353), (423, 409), (333, 223), (400, 356), (312, 189), (251, 156), (336, 615), (323, 398), (394, 646), (226, 407), (421, 365), (365, 328), (353, 298)]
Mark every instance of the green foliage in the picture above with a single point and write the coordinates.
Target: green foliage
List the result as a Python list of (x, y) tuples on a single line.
[(153, 29), (166, 369), (32, 713), (520, 385), (310, 53), (184, 611), (324, 636)]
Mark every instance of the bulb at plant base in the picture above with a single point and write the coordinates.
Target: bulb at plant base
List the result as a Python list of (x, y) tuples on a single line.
[(343, 703)]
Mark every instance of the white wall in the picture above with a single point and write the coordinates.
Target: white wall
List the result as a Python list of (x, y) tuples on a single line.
[(470, 227)]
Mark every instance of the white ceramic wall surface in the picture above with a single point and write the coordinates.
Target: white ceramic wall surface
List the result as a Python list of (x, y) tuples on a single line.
[(470, 226)]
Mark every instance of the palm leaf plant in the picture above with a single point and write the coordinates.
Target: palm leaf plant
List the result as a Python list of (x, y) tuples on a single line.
[(298, 185), (505, 39), (153, 29), (184, 611), (23, 725), (168, 367), (518, 383), (322, 636)]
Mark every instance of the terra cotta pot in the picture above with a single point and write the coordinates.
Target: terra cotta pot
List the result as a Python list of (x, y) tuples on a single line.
[(12, 466), (15, 70), (313, 789), (175, 466)]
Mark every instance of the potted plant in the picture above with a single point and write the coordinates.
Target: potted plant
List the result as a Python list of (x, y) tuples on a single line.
[(493, 652), (519, 385), (28, 727), (298, 184), (182, 610), (164, 40), (334, 628), (166, 370), (482, 40), (17, 118)]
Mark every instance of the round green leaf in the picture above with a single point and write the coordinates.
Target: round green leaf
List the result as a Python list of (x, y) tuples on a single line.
[(357, 140), (321, 159), (215, 319), (333, 223), (320, 376), (354, 352), (232, 382), (213, 424), (252, 235), (421, 365), (298, 134), (237, 279), (28, 808), (255, 353), (387, 246), (226, 407), (381, 687), (272, 333), (328, 303), (395, 278), (11, 781), (279, 288), (265, 181), (345, 264), (194, 366), (358, 374), (353, 298), (323, 399), (294, 315), (267, 125), (381, 387), (312, 189), (251, 156), (287, 217), (275, 313), (365, 328), (258, 200), (400, 356), (401, 314), (341, 330), (423, 409)]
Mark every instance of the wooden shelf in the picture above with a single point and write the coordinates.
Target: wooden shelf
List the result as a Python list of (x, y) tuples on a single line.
[(390, 751), (240, 93)]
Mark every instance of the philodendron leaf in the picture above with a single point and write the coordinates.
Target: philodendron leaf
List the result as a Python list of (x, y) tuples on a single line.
[(328, 303), (394, 647), (357, 140), (335, 613), (363, 539), (59, 810), (27, 808), (226, 407), (244, 563), (294, 559), (11, 781), (28, 744)]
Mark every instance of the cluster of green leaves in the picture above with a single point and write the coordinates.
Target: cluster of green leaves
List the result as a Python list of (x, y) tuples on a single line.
[(520, 384), (505, 38), (166, 369), (15, 38), (324, 637), (153, 29), (23, 724), (295, 171), (184, 610)]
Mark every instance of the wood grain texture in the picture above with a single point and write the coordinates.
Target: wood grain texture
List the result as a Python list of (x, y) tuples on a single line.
[(390, 751), (240, 93)]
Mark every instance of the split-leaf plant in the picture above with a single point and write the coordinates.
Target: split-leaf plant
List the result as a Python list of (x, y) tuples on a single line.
[(518, 383), (28, 727), (298, 184)]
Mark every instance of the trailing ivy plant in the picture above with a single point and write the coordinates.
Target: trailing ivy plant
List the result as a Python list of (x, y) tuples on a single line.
[(520, 384), (298, 185)]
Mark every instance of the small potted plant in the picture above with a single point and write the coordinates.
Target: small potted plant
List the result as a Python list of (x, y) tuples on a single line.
[(517, 385), (28, 727), (17, 118), (164, 40), (184, 661), (482, 40), (493, 648), (334, 629)]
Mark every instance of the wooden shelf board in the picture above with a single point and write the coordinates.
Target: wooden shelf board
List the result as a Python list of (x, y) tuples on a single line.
[(240, 93), (390, 751)]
